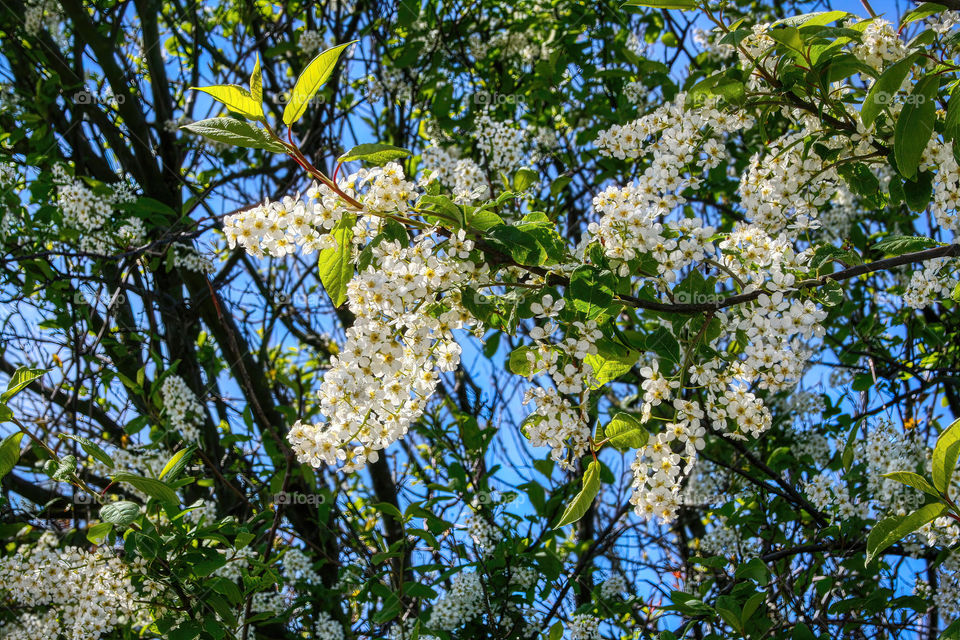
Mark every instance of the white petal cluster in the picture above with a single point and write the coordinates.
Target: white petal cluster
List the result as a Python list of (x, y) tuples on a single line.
[(483, 533), (461, 604), (43, 15), (502, 144), (389, 189), (311, 42), (584, 627), (613, 586), (186, 257), (935, 282), (389, 366), (279, 228), (463, 176), (787, 184), (79, 594), (887, 449), (327, 628), (880, 45), (91, 215), (181, 407), (555, 423), (679, 141)]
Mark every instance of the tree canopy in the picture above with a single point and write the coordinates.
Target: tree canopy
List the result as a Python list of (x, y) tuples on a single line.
[(479, 320)]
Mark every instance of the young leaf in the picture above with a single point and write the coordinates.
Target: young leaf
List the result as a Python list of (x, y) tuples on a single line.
[(884, 89), (91, 448), (895, 528), (314, 75), (19, 380), (626, 432), (945, 455), (524, 179), (98, 532), (151, 487), (915, 125), (256, 83), (120, 513), (914, 480), (9, 453), (899, 245), (611, 361), (236, 98), (374, 153), (235, 132), (177, 462), (582, 501), (334, 264)]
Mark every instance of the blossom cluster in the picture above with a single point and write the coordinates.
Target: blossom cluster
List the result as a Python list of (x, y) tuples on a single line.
[(181, 407), (463, 176), (384, 375), (460, 604), (92, 215), (77, 594)]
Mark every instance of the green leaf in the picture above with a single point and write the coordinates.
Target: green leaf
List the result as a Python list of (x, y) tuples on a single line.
[(524, 179), (177, 462), (556, 631), (518, 363), (582, 501), (91, 448), (452, 215), (952, 632), (150, 486), (925, 10), (121, 513), (98, 532), (899, 245), (256, 84), (590, 291), (945, 454), (721, 85), (895, 528), (9, 453), (236, 98), (334, 264), (65, 468), (235, 132), (19, 380), (917, 193), (374, 153), (663, 343), (316, 73), (611, 361), (626, 432), (882, 92), (915, 125), (914, 480), (951, 123), (862, 181), (519, 244)]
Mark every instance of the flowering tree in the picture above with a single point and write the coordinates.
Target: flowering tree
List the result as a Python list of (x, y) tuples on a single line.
[(483, 320)]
